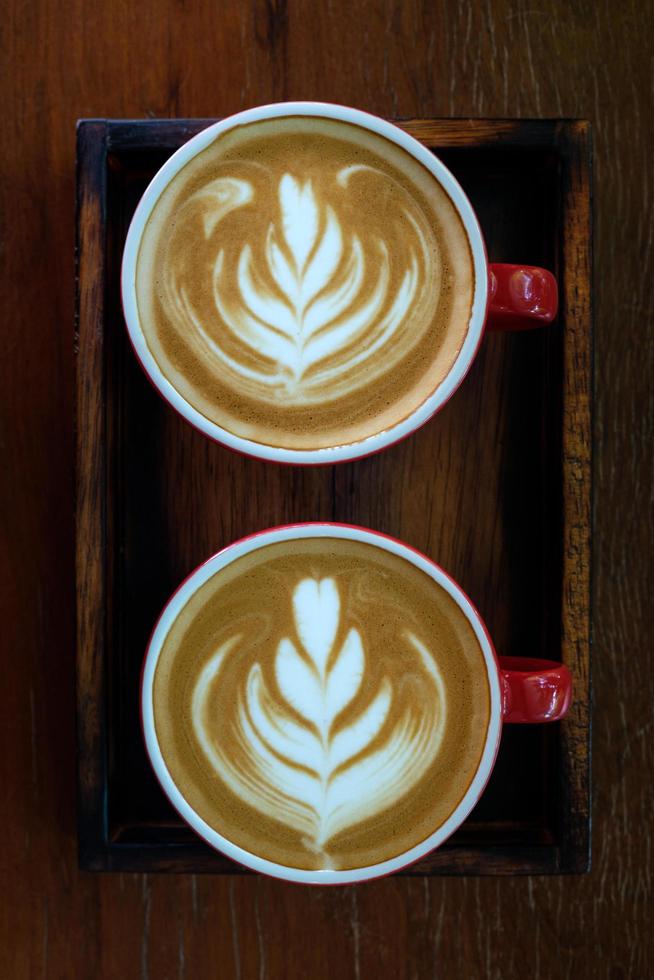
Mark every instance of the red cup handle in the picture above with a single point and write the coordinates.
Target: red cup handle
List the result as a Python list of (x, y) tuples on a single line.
[(520, 297), (534, 690)]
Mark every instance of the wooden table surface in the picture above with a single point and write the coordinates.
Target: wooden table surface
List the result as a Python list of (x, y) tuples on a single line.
[(590, 59)]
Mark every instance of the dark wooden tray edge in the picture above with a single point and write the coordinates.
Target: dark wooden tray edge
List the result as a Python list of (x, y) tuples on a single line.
[(90, 480), (576, 302)]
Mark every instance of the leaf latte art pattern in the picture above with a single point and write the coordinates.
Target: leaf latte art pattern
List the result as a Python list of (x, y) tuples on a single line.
[(310, 307), (310, 752)]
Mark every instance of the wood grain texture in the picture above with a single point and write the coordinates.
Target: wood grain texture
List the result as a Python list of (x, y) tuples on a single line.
[(62, 61), (164, 498)]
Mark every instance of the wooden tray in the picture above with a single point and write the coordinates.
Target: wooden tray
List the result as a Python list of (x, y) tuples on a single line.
[(496, 488)]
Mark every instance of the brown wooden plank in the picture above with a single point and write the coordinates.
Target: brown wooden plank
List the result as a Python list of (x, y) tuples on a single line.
[(409, 59)]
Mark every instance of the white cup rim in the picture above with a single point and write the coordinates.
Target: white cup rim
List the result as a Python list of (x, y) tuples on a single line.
[(348, 451), (222, 844)]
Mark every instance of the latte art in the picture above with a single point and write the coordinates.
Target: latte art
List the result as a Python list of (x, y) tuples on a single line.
[(321, 703), (319, 775), (304, 283), (313, 303)]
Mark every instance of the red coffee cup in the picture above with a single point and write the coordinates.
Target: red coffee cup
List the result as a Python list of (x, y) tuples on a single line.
[(506, 297), (522, 690)]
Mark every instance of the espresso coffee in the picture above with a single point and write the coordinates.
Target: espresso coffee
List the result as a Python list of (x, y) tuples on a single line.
[(304, 283), (322, 703)]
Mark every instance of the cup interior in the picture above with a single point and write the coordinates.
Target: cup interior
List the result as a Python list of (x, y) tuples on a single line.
[(339, 453), (290, 532)]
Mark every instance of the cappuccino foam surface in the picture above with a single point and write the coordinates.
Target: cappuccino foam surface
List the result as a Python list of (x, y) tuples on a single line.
[(322, 703), (304, 283)]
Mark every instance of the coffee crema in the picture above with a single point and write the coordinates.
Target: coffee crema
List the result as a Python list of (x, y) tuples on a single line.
[(322, 703), (304, 283)]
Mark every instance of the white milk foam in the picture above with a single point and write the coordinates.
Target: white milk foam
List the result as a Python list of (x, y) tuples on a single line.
[(314, 305), (304, 283), (320, 777)]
